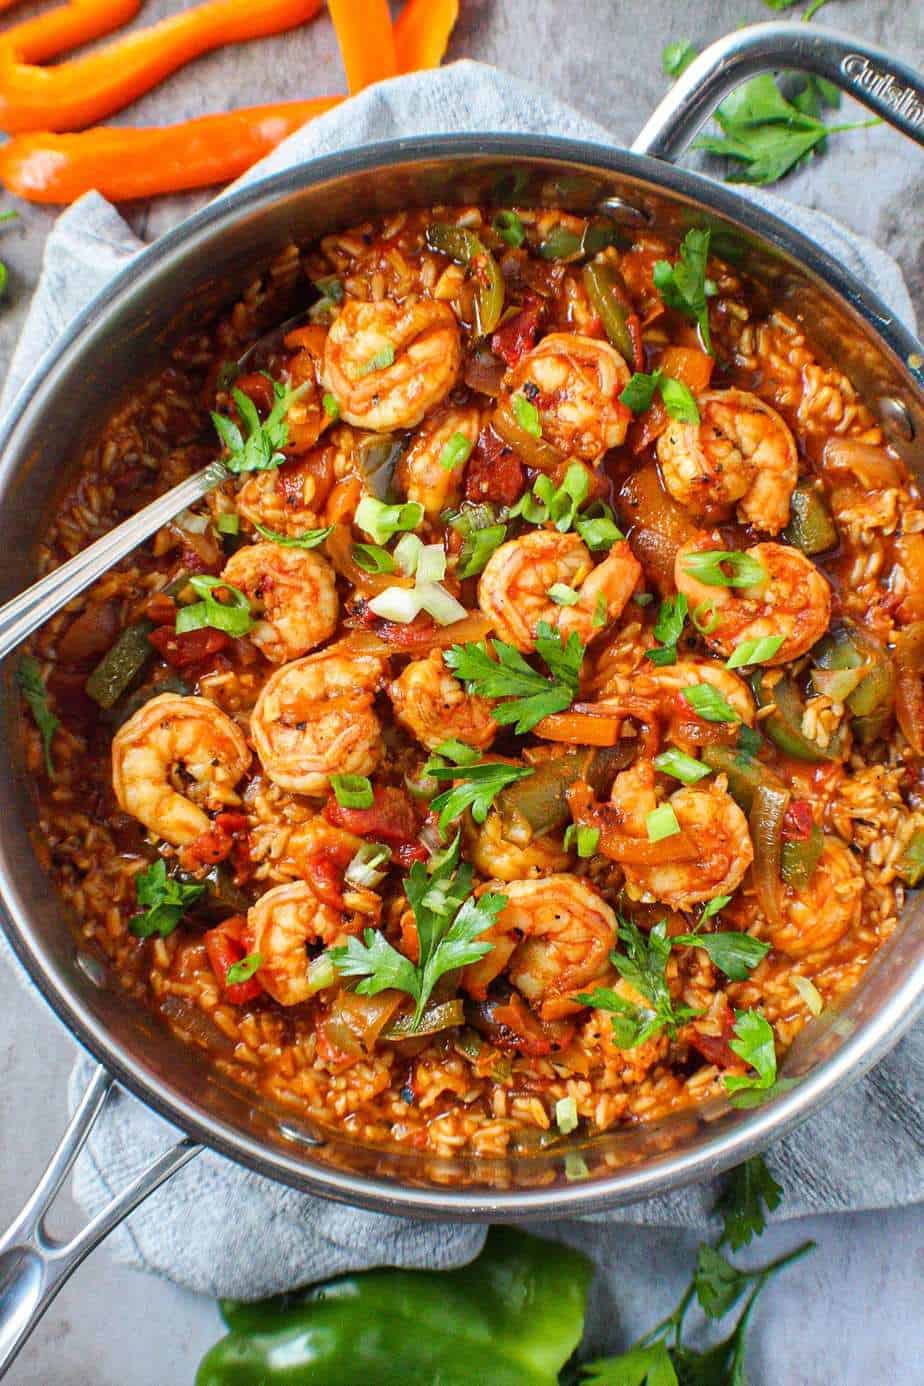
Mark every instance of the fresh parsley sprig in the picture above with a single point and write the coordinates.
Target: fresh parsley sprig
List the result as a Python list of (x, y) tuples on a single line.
[(530, 695), (477, 788), (743, 1204), (166, 899), (450, 925), (735, 954), (684, 286), (754, 1043), (35, 694), (643, 965), (678, 398), (259, 447)]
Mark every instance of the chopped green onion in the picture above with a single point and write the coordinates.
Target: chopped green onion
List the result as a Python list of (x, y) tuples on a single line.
[(232, 617), (477, 549), (381, 521), (586, 840), (705, 617), (600, 532), (243, 971), (717, 903), (678, 400), (331, 407), (228, 522), (309, 540), (352, 791), (456, 751), (601, 612), (457, 451), (407, 553), (680, 765), (809, 993), (527, 416), (709, 567), (575, 1167), (562, 595), (661, 823), (373, 559), (566, 1117), (379, 362), (398, 604), (431, 563), (321, 973), (754, 651), (363, 871), (707, 702), (510, 228), (440, 604)]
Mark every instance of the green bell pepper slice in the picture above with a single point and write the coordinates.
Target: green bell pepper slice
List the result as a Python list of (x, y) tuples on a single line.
[(870, 700), (811, 525), (607, 294), (799, 859), (512, 1318), (745, 773), (465, 248), (121, 664), (783, 725)]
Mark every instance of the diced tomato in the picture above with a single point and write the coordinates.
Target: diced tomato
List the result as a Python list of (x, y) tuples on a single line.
[(798, 821), (258, 389), (192, 647), (226, 946), (514, 338), (227, 837), (391, 819), (494, 472), (418, 634), (324, 870)]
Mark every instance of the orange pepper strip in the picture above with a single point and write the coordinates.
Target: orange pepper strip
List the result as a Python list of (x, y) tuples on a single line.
[(367, 44), (9, 4), (85, 90), (122, 163), (422, 32), (68, 26), (580, 728)]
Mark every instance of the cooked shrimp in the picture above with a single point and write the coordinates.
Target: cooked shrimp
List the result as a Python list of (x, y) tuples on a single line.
[(552, 937), (280, 927), (740, 451), (434, 706), (172, 760), (514, 587), (294, 591), (575, 383), (319, 853), (494, 855), (291, 499), (306, 417), (821, 913), (793, 601), (709, 818), (419, 347), (420, 474), (315, 718), (662, 685)]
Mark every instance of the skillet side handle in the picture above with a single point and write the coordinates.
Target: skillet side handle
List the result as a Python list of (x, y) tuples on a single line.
[(33, 1266), (884, 84)]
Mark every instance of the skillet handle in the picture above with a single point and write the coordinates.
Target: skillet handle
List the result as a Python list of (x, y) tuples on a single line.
[(887, 86), (34, 1266)]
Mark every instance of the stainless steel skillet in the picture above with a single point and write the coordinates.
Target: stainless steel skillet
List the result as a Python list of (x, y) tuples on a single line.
[(184, 278)]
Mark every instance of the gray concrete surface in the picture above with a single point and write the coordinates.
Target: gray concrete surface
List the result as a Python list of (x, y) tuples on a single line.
[(850, 1315)]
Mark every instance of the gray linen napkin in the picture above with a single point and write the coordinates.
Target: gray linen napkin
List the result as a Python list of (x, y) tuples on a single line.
[(220, 1229)]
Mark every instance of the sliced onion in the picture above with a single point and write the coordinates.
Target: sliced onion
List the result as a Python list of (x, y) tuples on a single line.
[(363, 869), (193, 524), (321, 974), (439, 604), (873, 467)]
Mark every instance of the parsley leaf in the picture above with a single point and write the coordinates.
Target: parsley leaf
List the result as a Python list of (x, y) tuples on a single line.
[(32, 688), (753, 1042), (309, 540), (531, 695), (478, 787), (643, 966), (558, 504), (450, 928), (166, 899), (640, 1366), (683, 285), (750, 1190), (736, 954), (678, 399), (258, 449), (677, 56)]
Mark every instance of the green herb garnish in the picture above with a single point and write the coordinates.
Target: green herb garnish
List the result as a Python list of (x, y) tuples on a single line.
[(643, 966), (753, 1042), (259, 449), (166, 899), (734, 954), (668, 628), (232, 616), (526, 415), (456, 452), (352, 791), (678, 399), (683, 767), (531, 696), (707, 702), (379, 362), (510, 228), (683, 285), (243, 971), (478, 787), (33, 690), (309, 540), (754, 651), (751, 1190)]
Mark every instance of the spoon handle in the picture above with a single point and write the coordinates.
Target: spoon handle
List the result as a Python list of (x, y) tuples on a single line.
[(32, 608)]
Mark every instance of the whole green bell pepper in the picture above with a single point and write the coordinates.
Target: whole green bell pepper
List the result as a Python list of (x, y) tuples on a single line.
[(512, 1318)]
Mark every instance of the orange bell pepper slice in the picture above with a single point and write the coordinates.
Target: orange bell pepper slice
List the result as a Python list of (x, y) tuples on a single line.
[(123, 163), (580, 728), (422, 33), (84, 90), (59, 30), (367, 44)]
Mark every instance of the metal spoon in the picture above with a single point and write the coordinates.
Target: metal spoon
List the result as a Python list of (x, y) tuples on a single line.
[(32, 608)]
